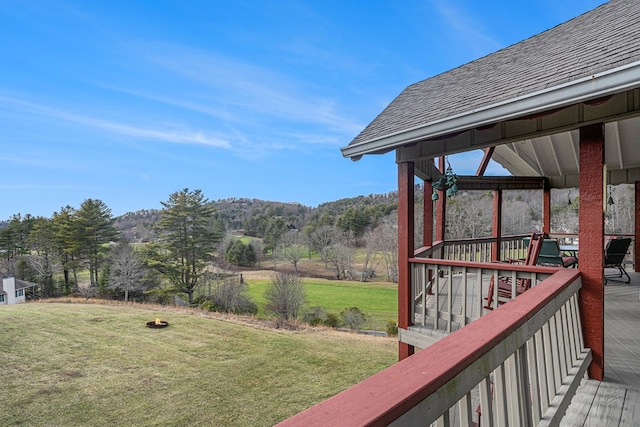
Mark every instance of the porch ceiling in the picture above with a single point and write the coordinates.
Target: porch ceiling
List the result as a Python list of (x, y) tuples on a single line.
[(546, 144), (556, 155)]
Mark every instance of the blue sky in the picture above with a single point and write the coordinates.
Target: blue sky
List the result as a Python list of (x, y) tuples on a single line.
[(130, 101)]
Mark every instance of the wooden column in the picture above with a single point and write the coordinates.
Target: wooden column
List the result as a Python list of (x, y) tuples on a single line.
[(427, 223), (636, 246), (496, 225), (427, 216), (546, 209), (405, 250), (591, 238), (441, 206)]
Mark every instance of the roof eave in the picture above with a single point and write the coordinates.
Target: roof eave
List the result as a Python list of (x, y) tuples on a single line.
[(598, 85)]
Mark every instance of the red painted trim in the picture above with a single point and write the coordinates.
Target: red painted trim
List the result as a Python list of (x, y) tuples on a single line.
[(427, 222), (427, 215), (591, 237), (441, 206), (636, 248), (486, 265), (488, 152), (384, 397), (405, 249), (546, 209), (496, 225)]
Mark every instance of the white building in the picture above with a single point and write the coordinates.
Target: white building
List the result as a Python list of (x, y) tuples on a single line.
[(13, 290)]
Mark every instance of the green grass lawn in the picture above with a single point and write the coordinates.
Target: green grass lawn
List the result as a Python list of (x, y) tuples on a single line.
[(73, 364), (377, 300)]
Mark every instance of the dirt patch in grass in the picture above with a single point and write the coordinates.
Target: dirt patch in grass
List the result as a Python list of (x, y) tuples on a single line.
[(312, 268), (71, 374)]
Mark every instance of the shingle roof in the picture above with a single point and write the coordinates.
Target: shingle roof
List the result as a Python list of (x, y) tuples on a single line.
[(602, 39), (23, 284), (20, 284)]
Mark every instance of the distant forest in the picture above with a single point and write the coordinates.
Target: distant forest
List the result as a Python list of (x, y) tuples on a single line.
[(468, 214), (253, 217), (352, 238)]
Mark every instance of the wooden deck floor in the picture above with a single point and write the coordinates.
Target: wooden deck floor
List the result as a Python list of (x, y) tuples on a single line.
[(616, 401)]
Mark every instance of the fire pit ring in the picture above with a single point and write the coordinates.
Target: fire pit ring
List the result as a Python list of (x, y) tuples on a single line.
[(156, 324)]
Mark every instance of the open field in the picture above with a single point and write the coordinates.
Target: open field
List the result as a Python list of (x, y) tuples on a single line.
[(377, 300), (73, 364), (314, 267)]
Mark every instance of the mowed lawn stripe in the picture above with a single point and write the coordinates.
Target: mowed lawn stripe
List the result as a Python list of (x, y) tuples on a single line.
[(70, 364)]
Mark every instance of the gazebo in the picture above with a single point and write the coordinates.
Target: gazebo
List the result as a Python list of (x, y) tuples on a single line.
[(558, 110)]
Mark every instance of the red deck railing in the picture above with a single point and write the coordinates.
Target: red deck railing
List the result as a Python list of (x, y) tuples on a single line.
[(447, 294), (521, 363)]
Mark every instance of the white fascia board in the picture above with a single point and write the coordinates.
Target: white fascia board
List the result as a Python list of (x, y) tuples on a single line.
[(596, 86)]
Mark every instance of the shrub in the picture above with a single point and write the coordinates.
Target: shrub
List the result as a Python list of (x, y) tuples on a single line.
[(206, 305), (247, 307), (88, 291), (284, 297), (229, 296), (353, 318), (315, 316), (161, 296), (392, 328), (332, 321)]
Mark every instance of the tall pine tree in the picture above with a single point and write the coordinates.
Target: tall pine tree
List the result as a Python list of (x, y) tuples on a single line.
[(95, 229), (67, 243), (187, 239)]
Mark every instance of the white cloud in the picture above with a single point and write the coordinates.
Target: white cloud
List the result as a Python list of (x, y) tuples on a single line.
[(247, 92), (179, 136), (467, 29)]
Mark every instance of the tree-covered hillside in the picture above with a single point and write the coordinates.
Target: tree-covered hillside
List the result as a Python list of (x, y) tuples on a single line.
[(469, 214), (348, 238), (254, 217)]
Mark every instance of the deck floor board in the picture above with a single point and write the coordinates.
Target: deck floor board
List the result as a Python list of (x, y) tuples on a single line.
[(631, 410), (616, 400)]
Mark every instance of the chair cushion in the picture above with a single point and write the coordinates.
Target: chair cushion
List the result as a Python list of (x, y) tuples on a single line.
[(568, 261)]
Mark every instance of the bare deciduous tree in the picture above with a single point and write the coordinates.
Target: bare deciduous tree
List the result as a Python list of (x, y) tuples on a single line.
[(386, 243), (340, 256), (321, 241), (469, 215), (335, 249), (620, 213), (126, 271), (285, 297), (292, 247), (371, 256)]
